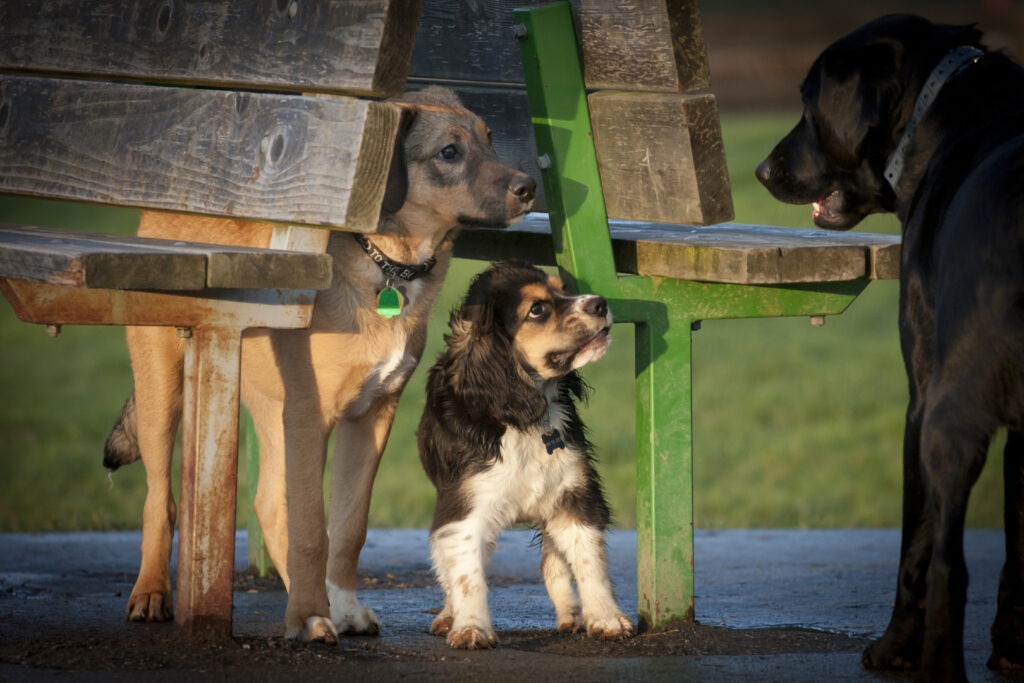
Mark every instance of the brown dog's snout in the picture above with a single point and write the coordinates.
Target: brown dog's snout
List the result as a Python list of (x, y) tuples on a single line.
[(524, 187)]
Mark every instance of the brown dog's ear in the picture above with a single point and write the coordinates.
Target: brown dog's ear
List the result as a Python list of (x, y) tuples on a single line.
[(398, 175)]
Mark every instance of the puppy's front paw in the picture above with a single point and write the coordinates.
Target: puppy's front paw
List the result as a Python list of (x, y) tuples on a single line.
[(571, 622), (442, 623), (314, 630), (472, 638), (351, 617), (615, 627)]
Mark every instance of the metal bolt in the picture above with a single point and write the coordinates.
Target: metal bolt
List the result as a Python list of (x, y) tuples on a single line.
[(53, 330), (695, 326), (544, 162), (184, 332), (817, 320), (519, 31)]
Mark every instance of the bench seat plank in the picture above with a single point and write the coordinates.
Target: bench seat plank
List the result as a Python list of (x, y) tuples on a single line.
[(137, 263), (354, 46), (733, 253), (319, 161)]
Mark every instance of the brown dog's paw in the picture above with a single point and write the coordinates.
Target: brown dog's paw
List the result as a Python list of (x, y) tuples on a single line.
[(149, 606), (472, 638), (617, 627), (314, 630)]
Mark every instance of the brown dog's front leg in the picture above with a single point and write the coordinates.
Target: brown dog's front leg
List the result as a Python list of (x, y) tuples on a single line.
[(359, 442)]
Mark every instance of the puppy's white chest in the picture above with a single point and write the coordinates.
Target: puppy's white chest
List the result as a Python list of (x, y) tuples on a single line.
[(529, 481)]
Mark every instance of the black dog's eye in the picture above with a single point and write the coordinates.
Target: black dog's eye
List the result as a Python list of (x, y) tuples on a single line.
[(538, 311), (449, 153)]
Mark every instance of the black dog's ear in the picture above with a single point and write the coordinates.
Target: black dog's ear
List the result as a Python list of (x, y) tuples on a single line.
[(854, 87), (398, 174)]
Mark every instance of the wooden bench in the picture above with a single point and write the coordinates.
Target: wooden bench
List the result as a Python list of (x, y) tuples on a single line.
[(274, 132)]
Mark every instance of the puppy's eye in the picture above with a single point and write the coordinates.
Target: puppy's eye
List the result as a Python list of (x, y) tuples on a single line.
[(449, 153), (537, 311)]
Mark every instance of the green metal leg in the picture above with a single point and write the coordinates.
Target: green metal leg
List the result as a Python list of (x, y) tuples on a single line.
[(663, 311), (664, 472)]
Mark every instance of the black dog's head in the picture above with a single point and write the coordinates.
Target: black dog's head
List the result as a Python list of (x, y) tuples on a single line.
[(515, 332), (858, 97)]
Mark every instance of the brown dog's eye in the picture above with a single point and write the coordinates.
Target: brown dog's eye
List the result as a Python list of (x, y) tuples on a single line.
[(538, 311), (450, 153)]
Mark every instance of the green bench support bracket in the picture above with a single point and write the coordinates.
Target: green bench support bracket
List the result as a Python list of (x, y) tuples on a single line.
[(664, 312)]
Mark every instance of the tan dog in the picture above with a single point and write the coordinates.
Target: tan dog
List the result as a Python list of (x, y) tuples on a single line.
[(345, 373)]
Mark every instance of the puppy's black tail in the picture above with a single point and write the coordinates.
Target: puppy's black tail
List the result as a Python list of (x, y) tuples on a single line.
[(122, 447)]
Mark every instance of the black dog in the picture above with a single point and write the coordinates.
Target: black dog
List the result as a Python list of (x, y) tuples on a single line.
[(919, 119), (502, 441)]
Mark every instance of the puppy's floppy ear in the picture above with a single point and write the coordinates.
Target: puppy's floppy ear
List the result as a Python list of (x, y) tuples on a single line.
[(398, 174), (485, 370)]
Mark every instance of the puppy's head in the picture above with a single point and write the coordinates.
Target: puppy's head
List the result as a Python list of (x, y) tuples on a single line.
[(517, 330), (548, 333), (446, 174), (857, 98)]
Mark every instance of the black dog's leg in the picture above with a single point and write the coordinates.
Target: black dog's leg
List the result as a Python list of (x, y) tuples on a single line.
[(900, 646), (952, 455), (1008, 628)]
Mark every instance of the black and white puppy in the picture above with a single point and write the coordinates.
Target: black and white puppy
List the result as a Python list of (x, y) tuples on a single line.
[(503, 443)]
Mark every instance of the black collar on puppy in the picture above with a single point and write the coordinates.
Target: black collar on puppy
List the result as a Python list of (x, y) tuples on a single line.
[(955, 61), (393, 269)]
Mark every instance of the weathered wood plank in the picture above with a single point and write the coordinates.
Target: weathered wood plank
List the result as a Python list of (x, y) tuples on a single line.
[(729, 252), (280, 158), (137, 263), (641, 45), (661, 157), (353, 46)]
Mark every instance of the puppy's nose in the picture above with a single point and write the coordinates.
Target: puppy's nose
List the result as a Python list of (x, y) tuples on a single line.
[(523, 187), (764, 172), (596, 306)]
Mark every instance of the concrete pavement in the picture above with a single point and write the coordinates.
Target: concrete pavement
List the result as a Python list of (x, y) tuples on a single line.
[(66, 593)]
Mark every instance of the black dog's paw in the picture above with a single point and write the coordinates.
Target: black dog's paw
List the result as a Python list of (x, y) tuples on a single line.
[(891, 654), (1007, 653)]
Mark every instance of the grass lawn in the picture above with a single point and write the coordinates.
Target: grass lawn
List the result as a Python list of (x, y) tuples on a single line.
[(795, 426)]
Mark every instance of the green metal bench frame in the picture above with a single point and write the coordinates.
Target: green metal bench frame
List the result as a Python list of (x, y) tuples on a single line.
[(664, 312)]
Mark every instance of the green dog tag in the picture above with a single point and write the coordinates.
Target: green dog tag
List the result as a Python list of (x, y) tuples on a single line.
[(389, 302)]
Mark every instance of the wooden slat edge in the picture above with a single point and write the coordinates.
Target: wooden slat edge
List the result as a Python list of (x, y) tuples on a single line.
[(342, 46)]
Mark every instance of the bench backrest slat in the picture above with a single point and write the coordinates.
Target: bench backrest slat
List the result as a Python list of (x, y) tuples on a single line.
[(352, 46), (641, 45), (318, 161), (140, 151)]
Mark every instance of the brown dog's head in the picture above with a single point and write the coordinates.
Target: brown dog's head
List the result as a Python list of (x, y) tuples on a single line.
[(446, 174), (858, 97), (515, 331)]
